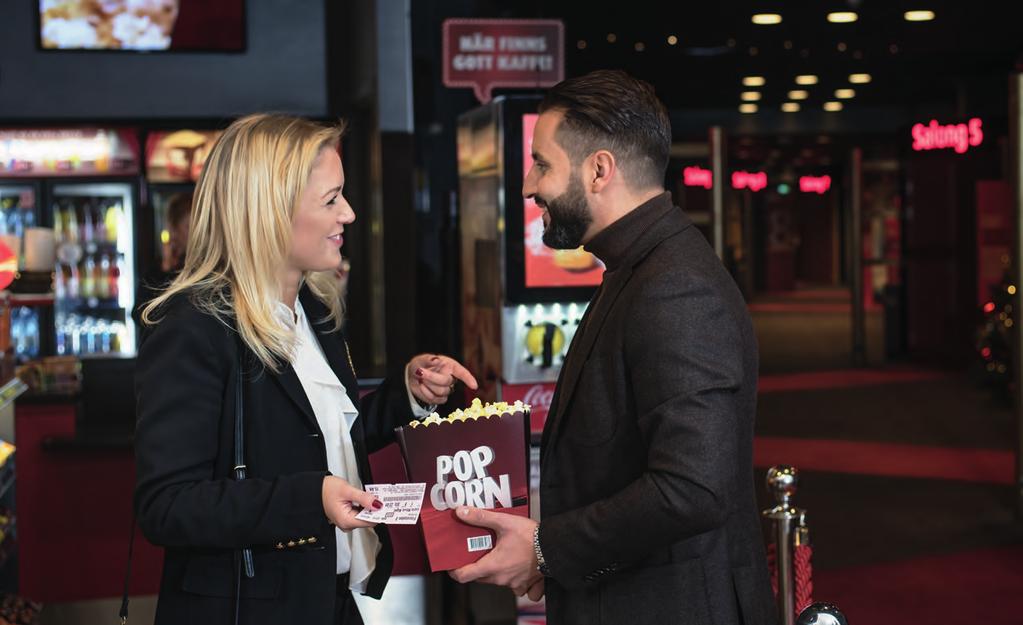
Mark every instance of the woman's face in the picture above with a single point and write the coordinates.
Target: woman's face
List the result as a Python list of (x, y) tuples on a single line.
[(320, 217)]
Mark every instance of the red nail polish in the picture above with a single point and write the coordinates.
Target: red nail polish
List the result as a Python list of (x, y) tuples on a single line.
[(419, 373), (377, 504)]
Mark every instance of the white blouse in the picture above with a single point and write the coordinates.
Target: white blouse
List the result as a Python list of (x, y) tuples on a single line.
[(335, 413)]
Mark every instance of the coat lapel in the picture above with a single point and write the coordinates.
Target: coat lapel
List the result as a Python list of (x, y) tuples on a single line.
[(582, 345), (670, 224), (287, 379)]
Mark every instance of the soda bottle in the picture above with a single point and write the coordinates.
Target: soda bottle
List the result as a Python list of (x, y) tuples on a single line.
[(101, 282), (100, 225), (89, 277), (73, 283), (87, 226), (114, 277), (113, 221), (71, 228)]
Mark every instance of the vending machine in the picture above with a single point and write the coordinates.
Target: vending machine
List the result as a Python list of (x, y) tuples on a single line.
[(521, 300), (82, 184), (173, 159)]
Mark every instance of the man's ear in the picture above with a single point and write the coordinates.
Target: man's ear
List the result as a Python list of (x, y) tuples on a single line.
[(602, 171)]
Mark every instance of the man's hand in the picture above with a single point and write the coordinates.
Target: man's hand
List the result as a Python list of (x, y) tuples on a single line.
[(512, 562)]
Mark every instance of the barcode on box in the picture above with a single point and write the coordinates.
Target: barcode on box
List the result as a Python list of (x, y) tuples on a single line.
[(480, 543)]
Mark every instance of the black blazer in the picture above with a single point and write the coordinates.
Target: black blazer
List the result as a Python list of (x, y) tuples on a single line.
[(646, 481), (187, 502)]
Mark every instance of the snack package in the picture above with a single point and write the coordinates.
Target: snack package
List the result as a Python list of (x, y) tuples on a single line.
[(477, 457)]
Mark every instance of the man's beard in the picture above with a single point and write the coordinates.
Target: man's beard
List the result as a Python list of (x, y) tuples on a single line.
[(568, 217)]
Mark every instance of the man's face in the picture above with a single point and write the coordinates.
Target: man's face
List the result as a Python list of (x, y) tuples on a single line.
[(554, 184)]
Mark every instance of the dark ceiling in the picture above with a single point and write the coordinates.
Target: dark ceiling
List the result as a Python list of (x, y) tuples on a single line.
[(965, 52)]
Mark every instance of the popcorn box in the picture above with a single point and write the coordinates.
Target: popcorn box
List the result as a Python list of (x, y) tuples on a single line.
[(467, 459)]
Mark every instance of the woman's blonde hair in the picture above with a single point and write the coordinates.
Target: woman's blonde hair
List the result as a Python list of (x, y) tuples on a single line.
[(240, 230)]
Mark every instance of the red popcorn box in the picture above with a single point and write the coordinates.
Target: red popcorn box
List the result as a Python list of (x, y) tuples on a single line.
[(471, 460)]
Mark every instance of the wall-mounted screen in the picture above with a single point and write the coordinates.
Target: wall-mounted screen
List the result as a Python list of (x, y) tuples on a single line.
[(142, 25)]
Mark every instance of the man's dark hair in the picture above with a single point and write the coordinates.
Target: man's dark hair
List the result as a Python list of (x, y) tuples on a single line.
[(179, 207), (610, 110)]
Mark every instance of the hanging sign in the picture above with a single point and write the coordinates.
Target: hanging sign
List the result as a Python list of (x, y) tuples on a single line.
[(488, 54), (959, 137), (754, 181), (814, 184)]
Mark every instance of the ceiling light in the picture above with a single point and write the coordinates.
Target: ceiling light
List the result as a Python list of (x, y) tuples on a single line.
[(832, 107), (581, 44), (753, 81), (859, 79), (798, 94), (747, 108), (750, 96), (790, 107), (672, 40), (766, 19), (640, 46), (845, 94), (806, 79), (611, 37), (842, 17), (919, 16)]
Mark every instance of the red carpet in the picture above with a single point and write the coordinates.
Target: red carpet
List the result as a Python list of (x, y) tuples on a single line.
[(969, 588), (866, 458), (845, 378)]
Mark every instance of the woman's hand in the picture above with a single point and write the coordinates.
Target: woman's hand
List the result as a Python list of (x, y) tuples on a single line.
[(432, 378), (342, 501)]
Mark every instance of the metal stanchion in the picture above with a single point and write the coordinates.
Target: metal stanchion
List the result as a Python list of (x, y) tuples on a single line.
[(782, 482), (821, 614)]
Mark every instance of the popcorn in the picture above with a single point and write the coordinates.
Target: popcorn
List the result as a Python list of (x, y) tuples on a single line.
[(476, 410)]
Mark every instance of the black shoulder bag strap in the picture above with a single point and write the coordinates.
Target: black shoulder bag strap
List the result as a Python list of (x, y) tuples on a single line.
[(245, 562)]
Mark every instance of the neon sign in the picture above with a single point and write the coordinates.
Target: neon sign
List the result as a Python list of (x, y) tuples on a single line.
[(754, 181), (697, 177), (814, 184), (959, 137)]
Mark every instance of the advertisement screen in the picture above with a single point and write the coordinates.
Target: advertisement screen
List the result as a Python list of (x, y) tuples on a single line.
[(546, 267), (149, 25), (178, 156)]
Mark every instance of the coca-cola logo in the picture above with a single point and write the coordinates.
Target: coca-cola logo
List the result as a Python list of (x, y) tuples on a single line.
[(539, 396)]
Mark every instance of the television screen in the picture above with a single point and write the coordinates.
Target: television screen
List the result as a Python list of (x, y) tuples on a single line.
[(150, 25), (546, 267)]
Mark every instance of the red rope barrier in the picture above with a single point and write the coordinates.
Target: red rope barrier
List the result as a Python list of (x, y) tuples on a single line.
[(803, 571)]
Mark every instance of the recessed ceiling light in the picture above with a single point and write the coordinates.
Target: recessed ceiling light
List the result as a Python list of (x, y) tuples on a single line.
[(919, 16), (842, 17), (798, 94), (753, 81), (672, 40), (845, 94), (832, 107), (790, 107), (766, 19), (581, 44), (640, 46), (750, 96), (611, 37), (841, 46), (806, 79), (859, 79), (747, 108)]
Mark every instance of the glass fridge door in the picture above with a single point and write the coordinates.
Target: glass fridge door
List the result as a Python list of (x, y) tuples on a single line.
[(95, 282), (18, 211)]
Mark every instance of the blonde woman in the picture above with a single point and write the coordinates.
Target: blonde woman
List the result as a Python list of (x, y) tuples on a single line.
[(257, 298)]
